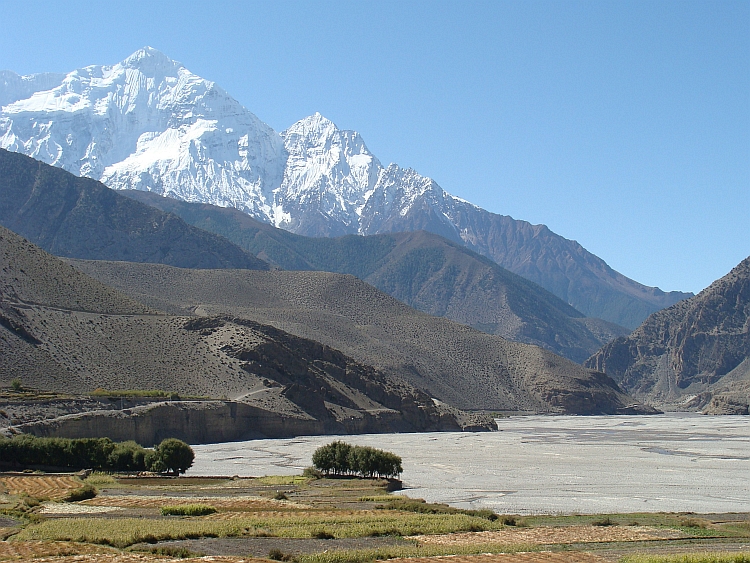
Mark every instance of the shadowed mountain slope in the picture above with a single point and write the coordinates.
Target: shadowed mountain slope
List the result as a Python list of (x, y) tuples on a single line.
[(693, 352), (421, 269), (63, 331), (81, 218), (451, 362)]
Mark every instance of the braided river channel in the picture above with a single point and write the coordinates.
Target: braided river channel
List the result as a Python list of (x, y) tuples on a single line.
[(543, 464)]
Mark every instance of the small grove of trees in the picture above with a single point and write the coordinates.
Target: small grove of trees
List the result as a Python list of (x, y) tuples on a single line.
[(172, 455), (340, 458)]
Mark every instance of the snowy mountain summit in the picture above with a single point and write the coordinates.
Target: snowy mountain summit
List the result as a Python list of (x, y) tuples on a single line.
[(148, 123)]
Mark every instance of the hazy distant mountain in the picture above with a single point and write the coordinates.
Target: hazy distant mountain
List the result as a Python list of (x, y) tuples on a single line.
[(694, 351), (82, 218), (147, 123), (421, 269)]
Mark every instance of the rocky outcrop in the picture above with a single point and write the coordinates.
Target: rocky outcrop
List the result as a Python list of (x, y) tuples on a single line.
[(200, 422), (696, 348)]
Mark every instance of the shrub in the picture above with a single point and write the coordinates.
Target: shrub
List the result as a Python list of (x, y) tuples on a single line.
[(312, 473), (322, 535), (280, 496), (420, 506), (15, 384), (82, 493), (607, 521), (278, 555), (187, 510)]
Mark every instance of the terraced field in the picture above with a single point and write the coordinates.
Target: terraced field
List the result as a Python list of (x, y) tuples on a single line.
[(40, 486), (327, 521)]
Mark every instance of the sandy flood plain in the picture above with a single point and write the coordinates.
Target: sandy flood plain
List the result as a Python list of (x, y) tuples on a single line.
[(544, 464)]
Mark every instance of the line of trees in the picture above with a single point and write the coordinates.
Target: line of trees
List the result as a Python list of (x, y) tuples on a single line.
[(340, 458), (170, 456)]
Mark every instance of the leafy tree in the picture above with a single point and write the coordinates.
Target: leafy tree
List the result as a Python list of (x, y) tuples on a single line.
[(175, 455), (340, 458)]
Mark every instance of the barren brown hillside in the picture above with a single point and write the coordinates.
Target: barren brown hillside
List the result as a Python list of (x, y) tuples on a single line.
[(451, 362)]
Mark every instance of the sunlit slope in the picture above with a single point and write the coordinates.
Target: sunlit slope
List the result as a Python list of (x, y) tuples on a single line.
[(452, 362)]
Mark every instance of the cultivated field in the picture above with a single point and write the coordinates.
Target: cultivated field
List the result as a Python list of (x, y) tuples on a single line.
[(327, 521)]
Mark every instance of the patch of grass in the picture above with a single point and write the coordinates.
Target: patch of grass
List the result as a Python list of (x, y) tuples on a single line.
[(127, 531), (187, 510), (83, 493), (392, 552), (280, 496), (169, 551), (98, 478), (322, 535), (376, 498), (421, 506), (719, 557), (282, 480), (693, 523)]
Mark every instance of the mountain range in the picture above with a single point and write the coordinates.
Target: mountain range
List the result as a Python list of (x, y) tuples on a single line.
[(81, 218), (421, 269), (694, 354), (149, 124)]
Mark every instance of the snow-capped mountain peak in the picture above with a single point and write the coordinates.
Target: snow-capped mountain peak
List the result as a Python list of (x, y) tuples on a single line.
[(151, 61), (330, 173), (149, 123)]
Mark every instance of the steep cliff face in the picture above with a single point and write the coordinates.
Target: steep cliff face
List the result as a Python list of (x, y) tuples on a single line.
[(697, 347), (203, 422)]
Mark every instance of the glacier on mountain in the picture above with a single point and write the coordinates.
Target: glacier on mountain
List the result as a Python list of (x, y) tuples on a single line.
[(148, 123)]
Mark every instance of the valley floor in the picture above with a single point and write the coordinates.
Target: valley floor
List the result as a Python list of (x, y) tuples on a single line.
[(311, 520)]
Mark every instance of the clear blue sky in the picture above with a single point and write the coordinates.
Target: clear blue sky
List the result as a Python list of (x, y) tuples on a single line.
[(622, 125)]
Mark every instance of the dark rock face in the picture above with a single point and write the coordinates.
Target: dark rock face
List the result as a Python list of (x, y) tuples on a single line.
[(696, 346), (81, 218), (421, 269)]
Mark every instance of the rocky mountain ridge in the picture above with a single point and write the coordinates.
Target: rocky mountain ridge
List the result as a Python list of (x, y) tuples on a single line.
[(450, 362), (692, 354), (147, 123), (81, 218), (421, 269)]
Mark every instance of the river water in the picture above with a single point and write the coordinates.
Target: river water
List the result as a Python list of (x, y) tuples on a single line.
[(544, 464)]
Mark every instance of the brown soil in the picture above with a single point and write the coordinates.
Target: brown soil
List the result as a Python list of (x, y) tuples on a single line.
[(553, 535), (539, 557)]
